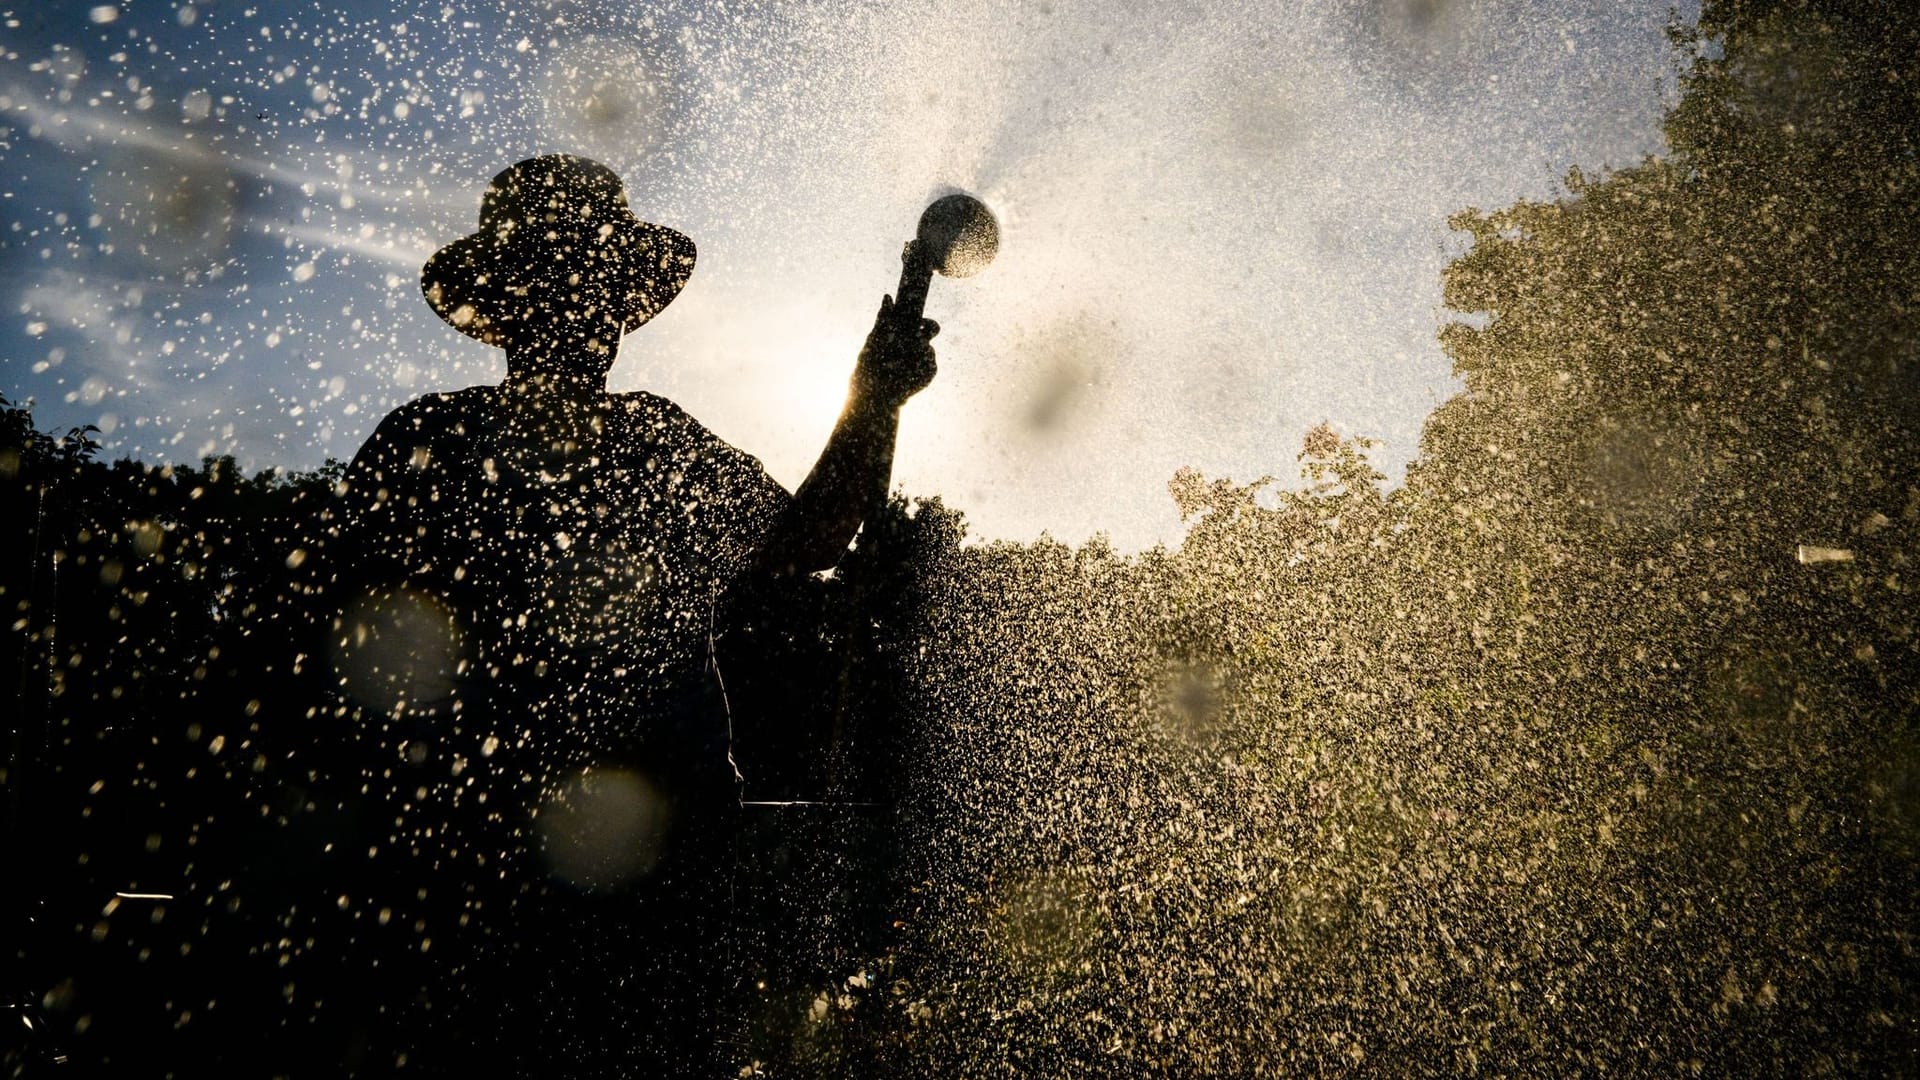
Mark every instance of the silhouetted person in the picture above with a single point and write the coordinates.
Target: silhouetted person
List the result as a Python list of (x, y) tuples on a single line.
[(538, 567)]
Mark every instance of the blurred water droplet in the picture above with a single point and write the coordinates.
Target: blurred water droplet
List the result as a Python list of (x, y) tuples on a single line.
[(398, 650), (609, 98), (168, 209), (606, 827)]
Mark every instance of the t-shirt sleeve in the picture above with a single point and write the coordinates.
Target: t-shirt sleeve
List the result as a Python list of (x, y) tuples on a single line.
[(727, 500), (388, 501)]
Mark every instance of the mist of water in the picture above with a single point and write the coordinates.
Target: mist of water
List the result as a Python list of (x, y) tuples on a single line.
[(1248, 201)]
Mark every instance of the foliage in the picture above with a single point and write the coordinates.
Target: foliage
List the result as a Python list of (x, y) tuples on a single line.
[(1572, 752)]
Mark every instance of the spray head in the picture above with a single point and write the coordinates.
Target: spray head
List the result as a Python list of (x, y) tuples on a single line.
[(958, 237)]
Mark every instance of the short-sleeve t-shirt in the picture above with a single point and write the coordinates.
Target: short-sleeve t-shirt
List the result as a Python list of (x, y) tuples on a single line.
[(584, 574)]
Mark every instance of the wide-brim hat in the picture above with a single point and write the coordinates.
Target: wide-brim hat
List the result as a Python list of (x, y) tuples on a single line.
[(556, 240)]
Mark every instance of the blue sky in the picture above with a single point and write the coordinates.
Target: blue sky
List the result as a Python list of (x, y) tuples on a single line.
[(1223, 223)]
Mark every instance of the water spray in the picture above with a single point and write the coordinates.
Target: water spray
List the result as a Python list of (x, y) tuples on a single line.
[(958, 237)]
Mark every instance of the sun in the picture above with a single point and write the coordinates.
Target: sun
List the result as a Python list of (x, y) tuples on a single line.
[(809, 373)]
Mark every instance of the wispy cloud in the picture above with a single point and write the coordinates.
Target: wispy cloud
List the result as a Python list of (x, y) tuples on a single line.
[(90, 129), (406, 249)]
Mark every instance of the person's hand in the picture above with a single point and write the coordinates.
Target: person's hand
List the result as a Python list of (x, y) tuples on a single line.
[(897, 360)]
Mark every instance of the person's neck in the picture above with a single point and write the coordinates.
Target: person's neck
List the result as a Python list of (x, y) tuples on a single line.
[(573, 371), (558, 386)]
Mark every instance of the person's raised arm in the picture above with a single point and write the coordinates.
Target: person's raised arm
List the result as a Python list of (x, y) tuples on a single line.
[(849, 482)]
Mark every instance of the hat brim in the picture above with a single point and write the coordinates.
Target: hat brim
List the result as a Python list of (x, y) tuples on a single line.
[(485, 282)]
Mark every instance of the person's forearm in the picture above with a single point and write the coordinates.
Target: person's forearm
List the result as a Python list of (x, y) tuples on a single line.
[(847, 485), (850, 481)]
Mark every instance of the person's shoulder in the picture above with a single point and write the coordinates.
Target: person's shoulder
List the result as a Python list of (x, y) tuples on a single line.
[(429, 420), (643, 404), (431, 412), (658, 415), (449, 402)]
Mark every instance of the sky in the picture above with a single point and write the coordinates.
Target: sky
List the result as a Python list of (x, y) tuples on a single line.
[(1221, 223)]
